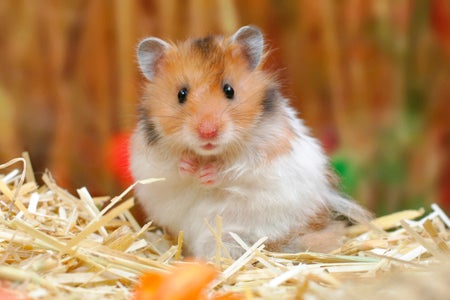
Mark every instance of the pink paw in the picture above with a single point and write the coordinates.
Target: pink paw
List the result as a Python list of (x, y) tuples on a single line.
[(208, 174), (188, 166)]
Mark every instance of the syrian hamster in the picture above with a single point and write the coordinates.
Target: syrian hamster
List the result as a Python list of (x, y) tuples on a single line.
[(215, 125)]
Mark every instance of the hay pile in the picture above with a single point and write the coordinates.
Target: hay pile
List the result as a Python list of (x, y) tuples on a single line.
[(55, 245)]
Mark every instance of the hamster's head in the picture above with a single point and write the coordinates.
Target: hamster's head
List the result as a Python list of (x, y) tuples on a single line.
[(204, 95)]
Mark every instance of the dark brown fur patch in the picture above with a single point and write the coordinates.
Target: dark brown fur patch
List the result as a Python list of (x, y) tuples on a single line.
[(148, 126), (205, 45), (319, 221), (211, 55), (270, 100), (278, 244)]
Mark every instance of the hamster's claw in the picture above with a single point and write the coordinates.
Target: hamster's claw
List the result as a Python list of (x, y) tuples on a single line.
[(208, 174), (188, 166)]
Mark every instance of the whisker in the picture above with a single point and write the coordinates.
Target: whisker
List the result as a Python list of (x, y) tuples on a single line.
[(243, 101), (175, 106), (169, 117)]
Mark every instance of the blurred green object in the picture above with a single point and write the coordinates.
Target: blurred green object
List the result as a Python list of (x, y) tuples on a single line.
[(347, 171)]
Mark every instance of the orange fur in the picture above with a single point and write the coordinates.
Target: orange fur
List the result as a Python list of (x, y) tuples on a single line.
[(319, 221), (280, 146), (322, 234)]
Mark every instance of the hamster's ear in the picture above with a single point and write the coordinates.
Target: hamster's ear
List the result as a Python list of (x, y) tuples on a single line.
[(252, 41), (149, 52)]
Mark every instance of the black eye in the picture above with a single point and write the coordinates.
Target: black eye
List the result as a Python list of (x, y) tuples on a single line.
[(228, 91), (182, 95)]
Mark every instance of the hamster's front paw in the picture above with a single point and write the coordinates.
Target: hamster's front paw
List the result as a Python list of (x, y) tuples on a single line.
[(188, 166), (208, 174)]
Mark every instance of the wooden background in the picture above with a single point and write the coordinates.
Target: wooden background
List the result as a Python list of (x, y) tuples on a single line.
[(370, 77)]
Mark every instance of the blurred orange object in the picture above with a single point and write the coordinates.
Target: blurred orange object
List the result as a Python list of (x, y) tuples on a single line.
[(7, 294), (148, 286), (186, 282)]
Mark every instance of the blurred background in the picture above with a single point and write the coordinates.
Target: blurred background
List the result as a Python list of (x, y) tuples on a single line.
[(370, 77)]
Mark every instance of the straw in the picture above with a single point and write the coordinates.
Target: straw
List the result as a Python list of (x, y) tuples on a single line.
[(54, 245)]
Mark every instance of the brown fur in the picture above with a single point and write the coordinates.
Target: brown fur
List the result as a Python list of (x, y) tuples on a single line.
[(319, 221), (322, 234), (278, 244)]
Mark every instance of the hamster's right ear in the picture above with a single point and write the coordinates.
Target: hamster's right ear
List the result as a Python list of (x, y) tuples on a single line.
[(149, 53)]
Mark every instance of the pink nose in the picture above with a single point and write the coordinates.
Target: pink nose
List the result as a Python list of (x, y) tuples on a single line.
[(207, 129)]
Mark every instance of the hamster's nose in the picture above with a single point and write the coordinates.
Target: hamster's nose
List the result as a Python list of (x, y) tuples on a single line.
[(207, 129)]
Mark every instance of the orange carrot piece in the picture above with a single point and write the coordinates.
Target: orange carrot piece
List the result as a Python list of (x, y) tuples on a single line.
[(186, 282)]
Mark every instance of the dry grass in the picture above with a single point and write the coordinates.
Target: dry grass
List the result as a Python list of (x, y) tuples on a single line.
[(55, 245)]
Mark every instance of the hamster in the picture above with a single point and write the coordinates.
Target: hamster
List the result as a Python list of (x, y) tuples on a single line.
[(215, 125)]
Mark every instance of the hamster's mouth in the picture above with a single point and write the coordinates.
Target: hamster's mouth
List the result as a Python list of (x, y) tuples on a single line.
[(209, 146)]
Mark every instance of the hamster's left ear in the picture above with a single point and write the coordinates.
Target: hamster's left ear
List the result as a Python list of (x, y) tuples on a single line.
[(252, 41)]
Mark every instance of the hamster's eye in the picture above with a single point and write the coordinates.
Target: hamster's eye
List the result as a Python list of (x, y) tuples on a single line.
[(182, 95), (228, 91)]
